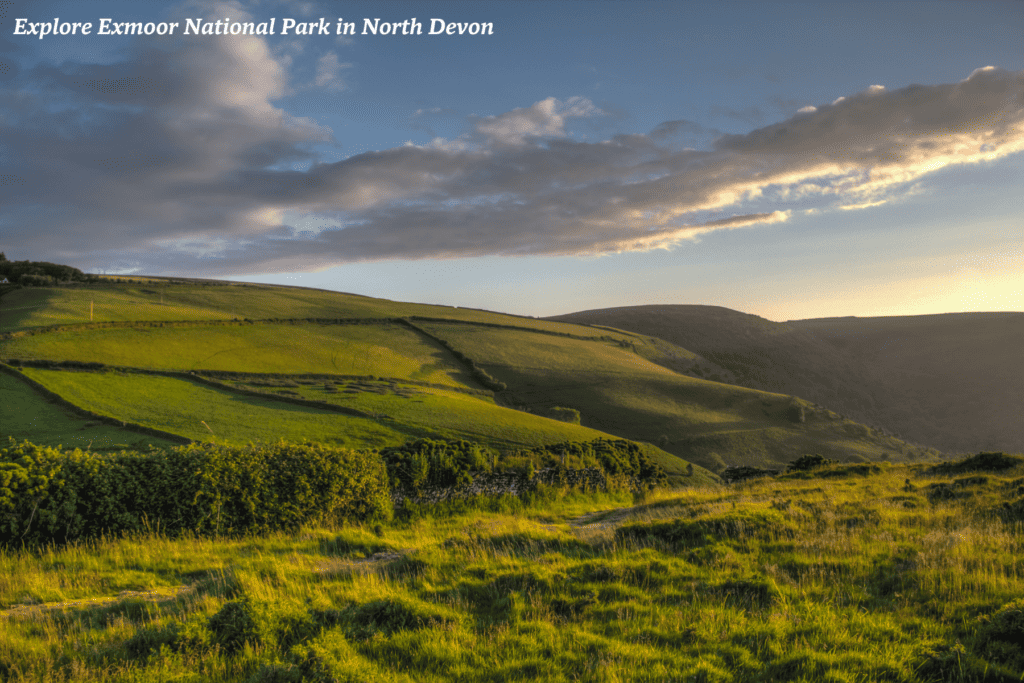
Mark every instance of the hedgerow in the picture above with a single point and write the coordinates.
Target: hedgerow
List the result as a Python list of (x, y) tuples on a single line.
[(48, 495), (427, 463)]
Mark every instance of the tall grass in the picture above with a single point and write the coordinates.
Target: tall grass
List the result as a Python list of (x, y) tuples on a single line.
[(844, 578)]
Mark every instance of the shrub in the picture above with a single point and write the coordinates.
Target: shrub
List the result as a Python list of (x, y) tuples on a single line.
[(570, 415), (808, 462), (426, 463), (980, 462), (49, 495)]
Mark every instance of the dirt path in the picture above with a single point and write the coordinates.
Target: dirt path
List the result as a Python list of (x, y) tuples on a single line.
[(603, 519), (28, 610)]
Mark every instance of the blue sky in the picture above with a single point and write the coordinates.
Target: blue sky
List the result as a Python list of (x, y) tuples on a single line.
[(791, 160)]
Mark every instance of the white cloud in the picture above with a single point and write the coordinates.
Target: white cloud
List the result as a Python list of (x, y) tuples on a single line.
[(328, 73), (544, 119)]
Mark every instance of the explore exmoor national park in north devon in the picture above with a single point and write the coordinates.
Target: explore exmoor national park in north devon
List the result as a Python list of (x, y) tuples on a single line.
[(204, 480)]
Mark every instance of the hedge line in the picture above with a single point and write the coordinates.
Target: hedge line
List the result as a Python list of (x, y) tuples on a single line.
[(52, 496), (479, 374)]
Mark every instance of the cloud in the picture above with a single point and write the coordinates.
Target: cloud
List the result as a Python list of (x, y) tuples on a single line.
[(177, 159), (543, 119), (328, 73)]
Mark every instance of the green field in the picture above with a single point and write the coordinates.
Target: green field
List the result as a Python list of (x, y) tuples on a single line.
[(181, 407), (448, 414), (844, 572), (181, 300), (620, 392), (620, 382), (28, 415), (385, 350)]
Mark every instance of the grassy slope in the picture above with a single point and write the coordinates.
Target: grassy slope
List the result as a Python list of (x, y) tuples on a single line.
[(446, 414), (35, 307), (953, 381), (964, 372), (842, 578), (618, 391), (181, 407), (380, 350), (29, 416)]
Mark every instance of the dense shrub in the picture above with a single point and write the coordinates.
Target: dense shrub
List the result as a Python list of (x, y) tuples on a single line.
[(979, 463), (426, 463), (808, 462), (612, 456), (49, 495), (40, 273), (570, 415)]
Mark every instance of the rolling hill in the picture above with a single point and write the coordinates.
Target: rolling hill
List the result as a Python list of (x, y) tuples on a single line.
[(954, 382), (207, 360)]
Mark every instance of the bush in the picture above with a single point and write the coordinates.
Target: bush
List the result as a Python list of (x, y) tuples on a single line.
[(429, 464), (48, 495), (570, 415), (808, 462), (980, 462), (612, 456)]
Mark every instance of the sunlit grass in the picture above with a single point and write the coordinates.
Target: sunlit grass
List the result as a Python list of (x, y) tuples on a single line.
[(882, 581), (379, 350), (25, 414), (202, 413)]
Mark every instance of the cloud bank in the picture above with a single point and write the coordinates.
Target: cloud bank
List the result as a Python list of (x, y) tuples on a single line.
[(177, 160)]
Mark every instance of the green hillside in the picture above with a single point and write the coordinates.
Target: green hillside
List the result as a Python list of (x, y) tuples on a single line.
[(26, 414), (619, 391), (378, 349), (350, 370), (952, 381), (177, 299)]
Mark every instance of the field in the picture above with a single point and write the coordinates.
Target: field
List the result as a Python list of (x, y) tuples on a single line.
[(844, 573), (169, 404), (205, 300), (29, 415), (859, 570), (617, 390), (379, 350), (951, 381)]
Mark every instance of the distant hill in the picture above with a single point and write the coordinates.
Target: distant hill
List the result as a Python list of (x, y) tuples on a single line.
[(962, 374), (953, 382)]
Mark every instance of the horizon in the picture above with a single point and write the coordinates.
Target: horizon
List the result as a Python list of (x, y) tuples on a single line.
[(788, 160)]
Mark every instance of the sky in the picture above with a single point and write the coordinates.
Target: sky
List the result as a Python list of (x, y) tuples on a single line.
[(791, 160)]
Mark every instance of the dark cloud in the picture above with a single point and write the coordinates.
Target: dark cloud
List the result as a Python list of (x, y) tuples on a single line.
[(177, 160)]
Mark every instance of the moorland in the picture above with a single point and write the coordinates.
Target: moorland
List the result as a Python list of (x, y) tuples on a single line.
[(203, 480)]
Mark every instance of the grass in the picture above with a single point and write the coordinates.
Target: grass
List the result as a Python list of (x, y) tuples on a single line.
[(619, 391), (25, 414), (380, 350), (156, 300), (449, 414), (182, 407), (852, 577), (620, 384)]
